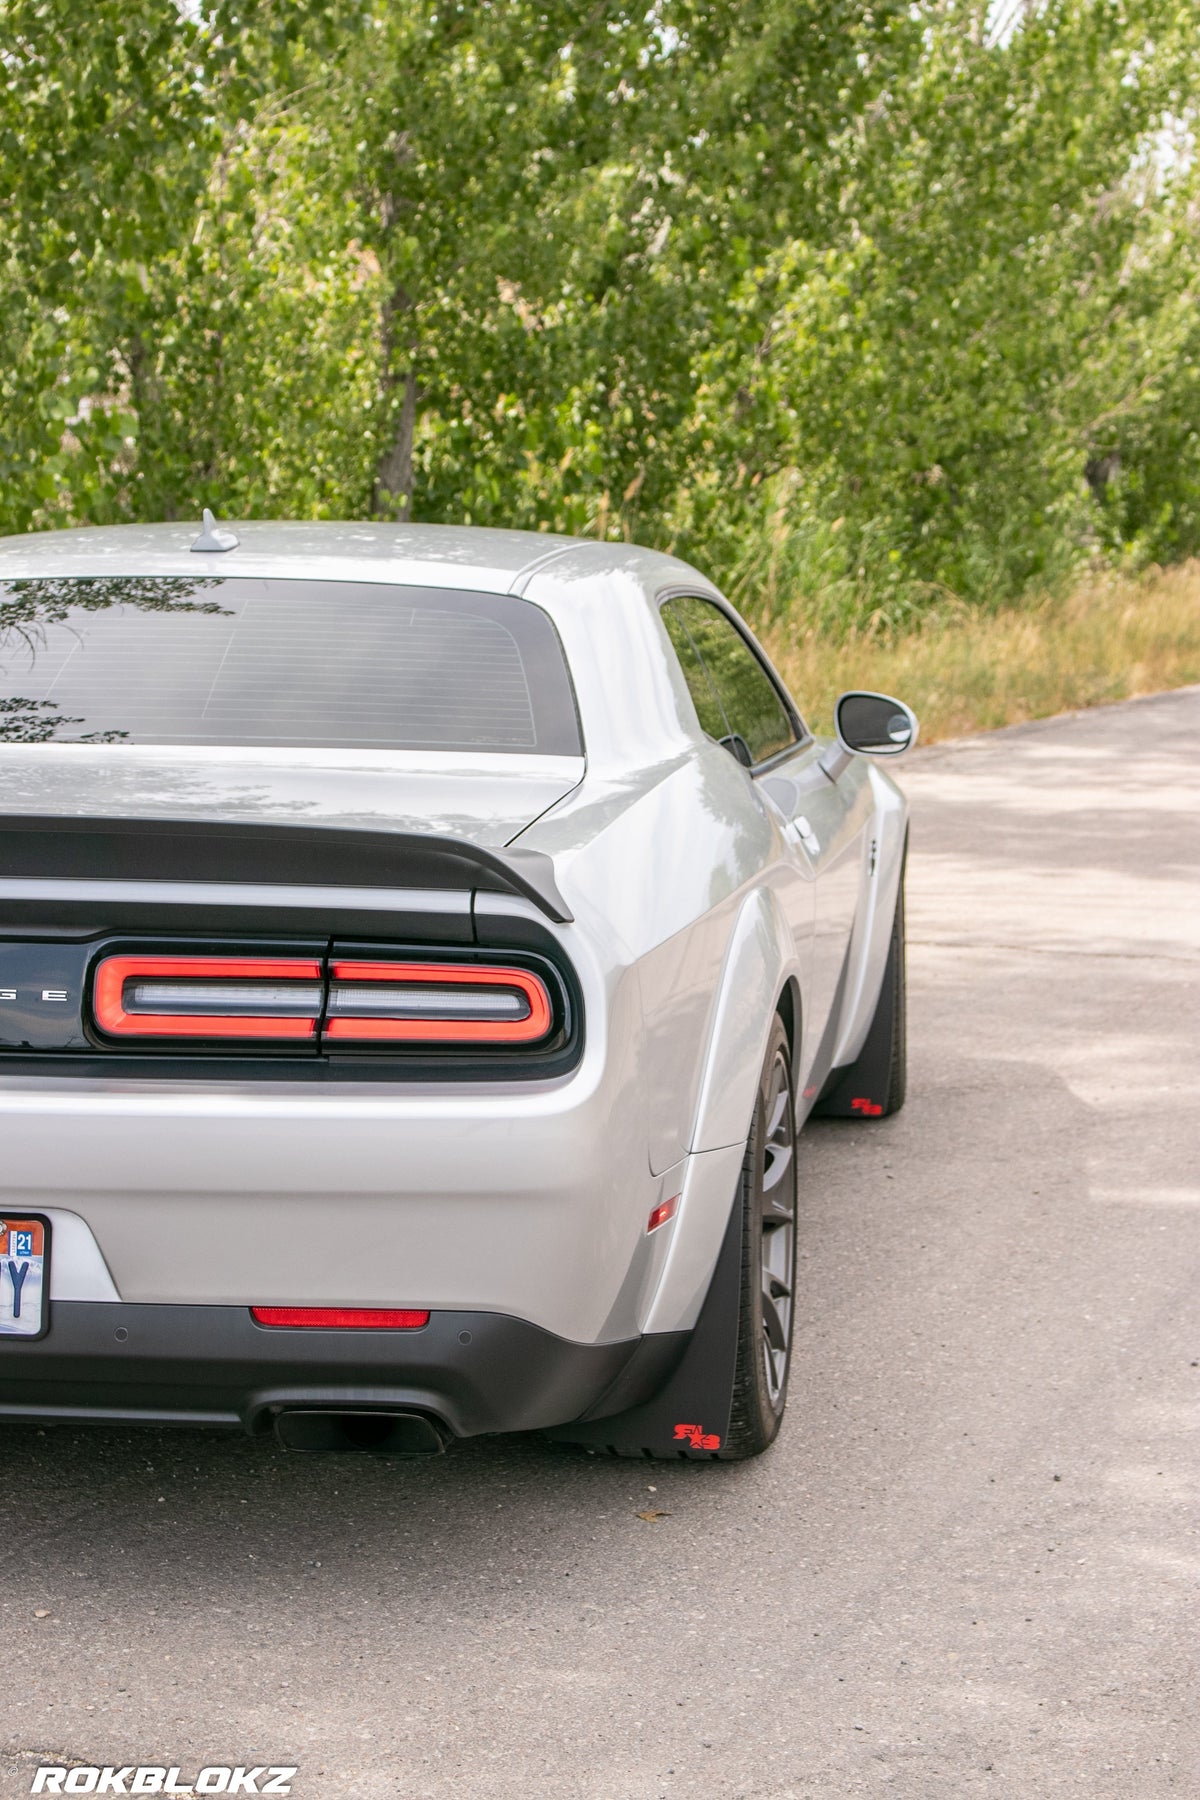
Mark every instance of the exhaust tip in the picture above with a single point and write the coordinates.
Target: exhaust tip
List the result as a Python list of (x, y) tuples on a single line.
[(380, 1433)]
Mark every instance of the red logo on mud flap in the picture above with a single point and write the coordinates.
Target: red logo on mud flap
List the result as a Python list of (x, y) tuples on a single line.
[(868, 1108), (697, 1437)]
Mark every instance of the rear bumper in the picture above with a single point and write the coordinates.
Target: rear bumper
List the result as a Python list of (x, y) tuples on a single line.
[(476, 1372), (525, 1199)]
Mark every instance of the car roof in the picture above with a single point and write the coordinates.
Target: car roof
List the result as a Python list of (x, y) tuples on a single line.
[(479, 558)]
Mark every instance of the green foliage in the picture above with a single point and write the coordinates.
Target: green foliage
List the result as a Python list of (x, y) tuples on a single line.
[(863, 311), (994, 307)]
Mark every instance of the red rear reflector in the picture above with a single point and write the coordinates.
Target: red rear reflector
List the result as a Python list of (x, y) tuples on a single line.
[(664, 1211), (267, 996), (430, 1003), (340, 1318)]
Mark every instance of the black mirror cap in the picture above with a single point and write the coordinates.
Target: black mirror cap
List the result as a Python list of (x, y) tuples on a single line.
[(874, 724)]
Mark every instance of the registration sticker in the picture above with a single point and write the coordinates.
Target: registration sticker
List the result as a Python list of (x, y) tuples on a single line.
[(24, 1276)]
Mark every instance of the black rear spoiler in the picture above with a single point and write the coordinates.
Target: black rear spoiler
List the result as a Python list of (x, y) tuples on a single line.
[(43, 847)]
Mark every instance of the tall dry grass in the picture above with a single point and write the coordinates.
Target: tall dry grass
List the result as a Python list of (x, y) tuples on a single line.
[(964, 672)]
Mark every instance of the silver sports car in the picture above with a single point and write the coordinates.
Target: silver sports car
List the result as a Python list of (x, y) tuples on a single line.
[(419, 948)]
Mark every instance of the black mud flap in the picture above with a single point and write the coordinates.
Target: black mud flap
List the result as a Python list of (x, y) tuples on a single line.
[(689, 1414), (861, 1091)]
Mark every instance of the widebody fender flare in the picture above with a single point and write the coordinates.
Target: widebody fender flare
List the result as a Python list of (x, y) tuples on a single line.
[(759, 963), (868, 952), (760, 960)]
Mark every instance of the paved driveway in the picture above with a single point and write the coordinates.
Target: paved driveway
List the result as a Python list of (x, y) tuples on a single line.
[(968, 1568)]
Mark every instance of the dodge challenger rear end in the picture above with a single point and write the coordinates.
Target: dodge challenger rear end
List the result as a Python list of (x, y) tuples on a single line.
[(364, 903)]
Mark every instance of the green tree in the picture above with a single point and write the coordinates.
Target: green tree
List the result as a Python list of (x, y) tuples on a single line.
[(847, 301)]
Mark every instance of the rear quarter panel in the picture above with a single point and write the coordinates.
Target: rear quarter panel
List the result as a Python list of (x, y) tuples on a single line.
[(659, 871), (880, 875)]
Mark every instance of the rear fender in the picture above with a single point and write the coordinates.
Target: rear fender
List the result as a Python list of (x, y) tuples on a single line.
[(759, 963), (867, 957), (760, 959)]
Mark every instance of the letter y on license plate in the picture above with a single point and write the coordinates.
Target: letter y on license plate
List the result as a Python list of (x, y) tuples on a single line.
[(24, 1276)]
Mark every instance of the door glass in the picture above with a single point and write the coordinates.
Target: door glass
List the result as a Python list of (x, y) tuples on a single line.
[(708, 708), (749, 700)]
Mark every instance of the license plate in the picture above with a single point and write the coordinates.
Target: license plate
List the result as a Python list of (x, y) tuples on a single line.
[(24, 1276)]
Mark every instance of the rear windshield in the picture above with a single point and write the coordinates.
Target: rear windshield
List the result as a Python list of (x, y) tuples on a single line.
[(214, 660)]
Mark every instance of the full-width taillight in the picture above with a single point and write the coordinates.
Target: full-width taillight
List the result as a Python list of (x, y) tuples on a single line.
[(436, 1003), (207, 997), (340, 1318)]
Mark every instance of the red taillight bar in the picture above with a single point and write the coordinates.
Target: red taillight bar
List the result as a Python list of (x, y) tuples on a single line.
[(340, 1318), (457, 1029), (112, 975), (207, 998)]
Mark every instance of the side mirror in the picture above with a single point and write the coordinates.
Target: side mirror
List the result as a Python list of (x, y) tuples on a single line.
[(874, 724)]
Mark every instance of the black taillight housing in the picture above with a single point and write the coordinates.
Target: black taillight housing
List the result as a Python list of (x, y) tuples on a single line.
[(404, 1009)]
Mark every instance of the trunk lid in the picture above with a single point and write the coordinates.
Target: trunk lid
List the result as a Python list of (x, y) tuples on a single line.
[(486, 800)]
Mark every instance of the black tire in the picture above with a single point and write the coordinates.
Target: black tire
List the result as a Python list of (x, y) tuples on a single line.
[(874, 1086), (766, 1312)]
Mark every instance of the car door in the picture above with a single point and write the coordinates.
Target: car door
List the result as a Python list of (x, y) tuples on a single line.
[(741, 702), (830, 817)]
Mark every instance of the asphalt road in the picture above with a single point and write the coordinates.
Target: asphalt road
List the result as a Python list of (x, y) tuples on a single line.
[(969, 1567)]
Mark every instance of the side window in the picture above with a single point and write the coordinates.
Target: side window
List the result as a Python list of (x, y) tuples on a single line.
[(742, 700), (708, 707)]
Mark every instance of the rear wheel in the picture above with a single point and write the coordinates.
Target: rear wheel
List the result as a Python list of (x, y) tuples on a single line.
[(724, 1398), (768, 1274)]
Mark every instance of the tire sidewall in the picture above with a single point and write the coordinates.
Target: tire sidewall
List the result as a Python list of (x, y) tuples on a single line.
[(756, 1416)]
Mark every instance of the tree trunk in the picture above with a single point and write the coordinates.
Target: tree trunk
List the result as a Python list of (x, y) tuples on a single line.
[(391, 496), (393, 478), (145, 398)]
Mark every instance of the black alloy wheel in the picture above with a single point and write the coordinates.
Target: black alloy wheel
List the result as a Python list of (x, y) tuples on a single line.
[(768, 1292)]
